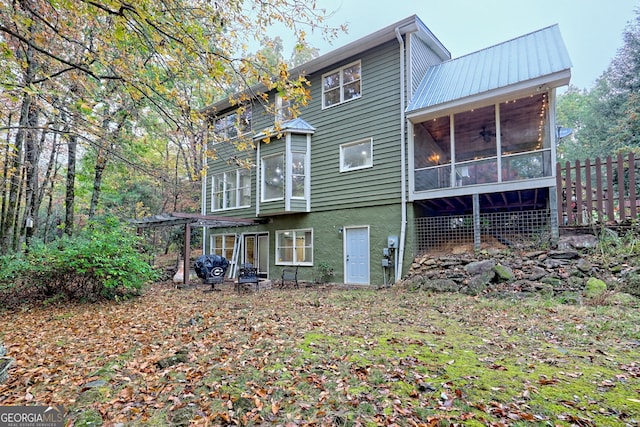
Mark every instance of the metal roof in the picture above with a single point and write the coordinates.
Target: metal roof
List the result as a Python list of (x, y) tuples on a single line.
[(536, 58), (296, 125)]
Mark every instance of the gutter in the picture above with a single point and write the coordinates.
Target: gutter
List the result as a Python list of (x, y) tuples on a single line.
[(403, 161)]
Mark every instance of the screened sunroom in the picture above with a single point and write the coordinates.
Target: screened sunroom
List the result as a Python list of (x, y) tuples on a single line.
[(501, 142)]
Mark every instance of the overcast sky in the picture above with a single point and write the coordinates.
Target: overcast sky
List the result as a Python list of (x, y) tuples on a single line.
[(591, 29)]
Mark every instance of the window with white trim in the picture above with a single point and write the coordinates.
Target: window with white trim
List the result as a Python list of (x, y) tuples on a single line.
[(341, 85), (298, 174), (283, 108), (356, 155), (222, 244), (294, 247), (232, 125), (273, 174), (230, 190)]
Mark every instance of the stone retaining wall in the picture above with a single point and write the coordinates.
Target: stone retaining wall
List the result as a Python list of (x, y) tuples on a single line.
[(570, 269)]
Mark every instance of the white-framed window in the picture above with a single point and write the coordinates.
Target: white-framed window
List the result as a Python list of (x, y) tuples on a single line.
[(222, 244), (356, 155), (341, 85), (298, 174), (294, 247), (273, 175), (283, 109), (230, 190), (232, 125)]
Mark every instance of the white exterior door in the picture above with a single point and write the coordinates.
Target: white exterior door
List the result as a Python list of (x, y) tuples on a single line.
[(256, 252), (356, 255)]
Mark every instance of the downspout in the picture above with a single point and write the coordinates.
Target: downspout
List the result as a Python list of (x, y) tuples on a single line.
[(403, 161), (203, 208)]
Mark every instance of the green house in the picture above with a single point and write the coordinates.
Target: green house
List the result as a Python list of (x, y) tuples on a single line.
[(400, 150)]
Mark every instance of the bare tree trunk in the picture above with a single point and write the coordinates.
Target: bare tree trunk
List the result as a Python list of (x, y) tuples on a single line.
[(32, 158), (9, 223), (5, 172), (101, 165), (9, 228), (103, 156), (48, 183), (17, 229), (69, 199)]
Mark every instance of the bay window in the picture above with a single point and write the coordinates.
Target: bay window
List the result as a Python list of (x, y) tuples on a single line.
[(273, 177)]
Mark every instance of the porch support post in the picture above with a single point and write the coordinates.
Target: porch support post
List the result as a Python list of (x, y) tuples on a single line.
[(476, 221), (553, 208), (187, 252)]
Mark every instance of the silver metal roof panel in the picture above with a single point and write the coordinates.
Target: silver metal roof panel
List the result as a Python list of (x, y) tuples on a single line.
[(529, 58), (296, 125)]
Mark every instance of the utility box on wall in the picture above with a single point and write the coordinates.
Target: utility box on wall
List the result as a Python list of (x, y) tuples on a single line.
[(392, 242)]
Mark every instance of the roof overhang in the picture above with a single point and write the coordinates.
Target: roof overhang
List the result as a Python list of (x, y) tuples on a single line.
[(505, 93), (297, 126), (411, 24)]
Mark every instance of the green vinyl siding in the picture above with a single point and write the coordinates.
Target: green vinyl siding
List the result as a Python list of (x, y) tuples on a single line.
[(222, 160), (421, 58), (328, 241), (376, 114), (299, 143)]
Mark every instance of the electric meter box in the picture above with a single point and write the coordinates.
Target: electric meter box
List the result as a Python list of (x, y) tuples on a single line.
[(392, 241)]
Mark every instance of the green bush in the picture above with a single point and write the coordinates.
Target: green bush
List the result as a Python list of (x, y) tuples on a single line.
[(102, 261)]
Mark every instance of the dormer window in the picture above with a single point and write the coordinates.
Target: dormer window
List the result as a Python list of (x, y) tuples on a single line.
[(341, 85)]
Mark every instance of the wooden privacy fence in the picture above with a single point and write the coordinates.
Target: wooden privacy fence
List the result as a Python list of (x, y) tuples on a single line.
[(597, 192)]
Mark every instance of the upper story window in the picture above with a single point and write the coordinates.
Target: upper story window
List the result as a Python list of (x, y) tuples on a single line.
[(232, 125), (341, 85), (273, 177), (356, 155), (298, 175), (283, 109), (231, 190)]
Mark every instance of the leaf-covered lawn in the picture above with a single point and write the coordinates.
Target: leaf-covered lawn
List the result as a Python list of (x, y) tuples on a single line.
[(328, 357)]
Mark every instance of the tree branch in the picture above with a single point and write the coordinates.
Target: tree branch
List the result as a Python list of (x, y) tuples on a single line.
[(56, 57)]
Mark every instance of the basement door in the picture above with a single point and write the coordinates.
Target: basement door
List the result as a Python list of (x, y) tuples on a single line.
[(356, 252)]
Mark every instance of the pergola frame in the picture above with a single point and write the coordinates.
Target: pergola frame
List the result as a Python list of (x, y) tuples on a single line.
[(189, 220)]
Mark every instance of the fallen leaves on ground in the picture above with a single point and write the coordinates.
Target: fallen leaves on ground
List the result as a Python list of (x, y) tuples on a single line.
[(324, 357)]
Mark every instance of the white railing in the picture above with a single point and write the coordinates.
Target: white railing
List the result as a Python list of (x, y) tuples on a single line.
[(514, 167)]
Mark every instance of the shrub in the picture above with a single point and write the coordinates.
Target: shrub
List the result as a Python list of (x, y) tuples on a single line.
[(102, 261), (323, 273)]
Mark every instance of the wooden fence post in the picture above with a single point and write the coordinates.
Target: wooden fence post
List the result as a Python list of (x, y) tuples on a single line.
[(621, 193), (609, 166), (599, 192), (588, 190), (560, 194), (568, 185), (579, 219), (632, 187)]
